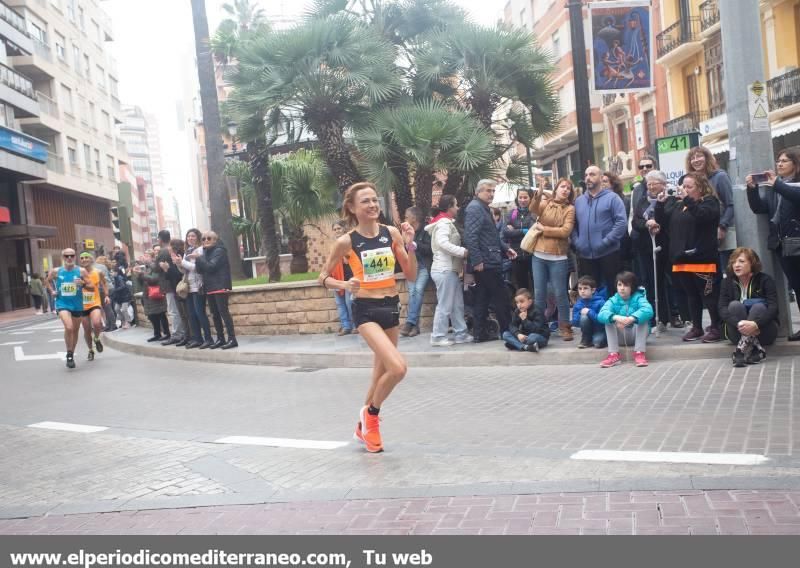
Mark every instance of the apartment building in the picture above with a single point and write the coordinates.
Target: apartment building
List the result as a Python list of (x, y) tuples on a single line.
[(57, 64), (549, 21), (690, 50), (134, 130)]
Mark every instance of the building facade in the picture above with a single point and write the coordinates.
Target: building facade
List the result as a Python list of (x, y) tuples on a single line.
[(135, 130), (61, 67)]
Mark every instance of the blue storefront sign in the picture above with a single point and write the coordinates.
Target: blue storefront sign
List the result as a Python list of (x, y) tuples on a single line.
[(23, 145)]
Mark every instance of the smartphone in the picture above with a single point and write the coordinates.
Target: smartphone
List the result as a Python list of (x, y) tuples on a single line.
[(671, 190), (759, 178)]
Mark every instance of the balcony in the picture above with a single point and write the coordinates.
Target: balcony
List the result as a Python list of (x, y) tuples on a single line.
[(47, 105), (709, 17), (17, 90), (679, 41), (784, 90), (39, 64), (15, 30), (55, 163), (43, 50), (685, 124), (613, 102)]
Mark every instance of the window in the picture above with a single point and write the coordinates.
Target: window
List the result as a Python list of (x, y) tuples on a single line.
[(100, 77), (97, 161), (76, 58), (556, 39), (72, 151), (110, 167), (3, 120), (61, 51), (97, 34), (66, 100), (87, 156), (650, 130), (715, 75), (37, 32), (92, 121), (87, 67), (107, 122), (82, 19), (113, 83), (71, 10), (622, 137)]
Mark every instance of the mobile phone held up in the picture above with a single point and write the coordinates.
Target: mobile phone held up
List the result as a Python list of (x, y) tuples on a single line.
[(759, 177)]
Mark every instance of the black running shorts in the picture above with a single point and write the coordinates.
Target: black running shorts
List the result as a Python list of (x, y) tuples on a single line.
[(385, 311)]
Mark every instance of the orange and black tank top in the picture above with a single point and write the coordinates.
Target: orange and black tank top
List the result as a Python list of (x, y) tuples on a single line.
[(372, 259)]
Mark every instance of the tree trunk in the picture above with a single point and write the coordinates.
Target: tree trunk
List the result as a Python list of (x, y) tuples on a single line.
[(423, 182), (453, 183), (399, 168), (336, 153), (258, 156), (218, 199)]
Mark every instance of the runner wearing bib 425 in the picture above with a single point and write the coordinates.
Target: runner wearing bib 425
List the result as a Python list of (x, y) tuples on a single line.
[(66, 284)]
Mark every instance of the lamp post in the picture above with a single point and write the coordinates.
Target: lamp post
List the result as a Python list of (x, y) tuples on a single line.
[(583, 104)]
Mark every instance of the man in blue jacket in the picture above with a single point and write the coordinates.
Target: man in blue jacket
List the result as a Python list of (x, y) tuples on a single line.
[(600, 223), (486, 251)]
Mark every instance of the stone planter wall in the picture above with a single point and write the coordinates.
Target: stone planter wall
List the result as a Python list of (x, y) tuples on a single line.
[(297, 307)]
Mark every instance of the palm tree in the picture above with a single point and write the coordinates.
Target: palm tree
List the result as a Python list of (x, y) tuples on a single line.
[(243, 15), (218, 195), (431, 137), (325, 73), (304, 190)]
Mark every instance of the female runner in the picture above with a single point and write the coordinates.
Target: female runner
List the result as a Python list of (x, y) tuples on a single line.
[(373, 250)]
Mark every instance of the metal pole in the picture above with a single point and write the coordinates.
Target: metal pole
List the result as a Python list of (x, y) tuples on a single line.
[(528, 152), (583, 105), (749, 151)]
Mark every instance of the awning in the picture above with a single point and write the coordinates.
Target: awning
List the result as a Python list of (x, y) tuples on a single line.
[(27, 232), (718, 147), (786, 127)]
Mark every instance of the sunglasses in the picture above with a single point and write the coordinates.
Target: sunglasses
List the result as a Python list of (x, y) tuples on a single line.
[(207, 239), (69, 256), (645, 166)]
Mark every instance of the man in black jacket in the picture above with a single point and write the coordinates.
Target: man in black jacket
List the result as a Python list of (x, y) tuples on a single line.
[(216, 271), (162, 267), (486, 251)]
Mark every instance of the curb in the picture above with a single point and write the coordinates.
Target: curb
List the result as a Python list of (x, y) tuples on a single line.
[(461, 356)]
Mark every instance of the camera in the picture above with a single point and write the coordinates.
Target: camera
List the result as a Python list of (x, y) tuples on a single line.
[(671, 189), (759, 178)]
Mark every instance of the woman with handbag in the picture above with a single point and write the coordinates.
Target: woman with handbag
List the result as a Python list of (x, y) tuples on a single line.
[(196, 301), (748, 304), (556, 219), (154, 300), (781, 201)]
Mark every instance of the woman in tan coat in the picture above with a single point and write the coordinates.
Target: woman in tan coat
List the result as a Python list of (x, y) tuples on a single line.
[(550, 263)]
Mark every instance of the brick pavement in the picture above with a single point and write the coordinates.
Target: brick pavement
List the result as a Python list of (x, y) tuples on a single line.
[(619, 513)]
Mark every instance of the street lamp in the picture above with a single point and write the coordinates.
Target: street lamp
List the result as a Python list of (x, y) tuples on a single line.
[(232, 129)]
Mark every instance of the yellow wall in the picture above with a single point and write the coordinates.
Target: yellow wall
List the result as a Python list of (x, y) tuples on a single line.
[(785, 34)]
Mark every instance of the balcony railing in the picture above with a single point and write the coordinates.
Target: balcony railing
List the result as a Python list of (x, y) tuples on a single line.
[(47, 105), (709, 14), (717, 109), (121, 146), (784, 90), (685, 124), (16, 81), (14, 18), (55, 163), (43, 50), (678, 34)]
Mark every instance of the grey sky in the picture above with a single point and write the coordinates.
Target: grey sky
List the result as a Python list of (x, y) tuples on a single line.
[(154, 44)]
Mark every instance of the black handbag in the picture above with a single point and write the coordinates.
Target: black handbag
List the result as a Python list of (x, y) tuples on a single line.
[(790, 246)]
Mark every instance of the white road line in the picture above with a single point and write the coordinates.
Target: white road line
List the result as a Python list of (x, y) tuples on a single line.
[(20, 332), (57, 340), (13, 343), (281, 442), (67, 427), (670, 457), (57, 330), (19, 355)]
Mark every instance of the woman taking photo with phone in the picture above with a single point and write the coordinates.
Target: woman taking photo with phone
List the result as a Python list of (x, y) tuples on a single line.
[(781, 203), (691, 221), (373, 250)]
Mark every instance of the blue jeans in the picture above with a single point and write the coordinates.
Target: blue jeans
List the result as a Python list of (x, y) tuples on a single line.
[(197, 312), (416, 292), (556, 274), (512, 339), (344, 305), (592, 332)]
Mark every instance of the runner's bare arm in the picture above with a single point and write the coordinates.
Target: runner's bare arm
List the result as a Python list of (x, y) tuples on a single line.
[(85, 277), (408, 261), (104, 287), (51, 276), (340, 250)]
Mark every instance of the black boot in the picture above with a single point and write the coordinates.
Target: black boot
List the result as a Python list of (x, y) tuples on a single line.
[(219, 343), (231, 344), (193, 344), (206, 344), (182, 342), (154, 338)]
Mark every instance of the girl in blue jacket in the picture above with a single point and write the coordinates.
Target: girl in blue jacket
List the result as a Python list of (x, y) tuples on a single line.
[(626, 316)]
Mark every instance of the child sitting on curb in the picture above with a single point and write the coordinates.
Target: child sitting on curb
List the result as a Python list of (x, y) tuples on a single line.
[(627, 317), (528, 330), (584, 313)]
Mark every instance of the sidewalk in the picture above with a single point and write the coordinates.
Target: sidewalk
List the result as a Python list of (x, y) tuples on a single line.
[(331, 351)]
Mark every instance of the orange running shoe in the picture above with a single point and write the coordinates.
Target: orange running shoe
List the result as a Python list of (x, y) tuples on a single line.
[(370, 431), (358, 435)]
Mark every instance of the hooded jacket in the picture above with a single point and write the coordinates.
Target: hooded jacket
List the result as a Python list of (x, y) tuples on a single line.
[(600, 224), (445, 240), (636, 306), (521, 220), (595, 304)]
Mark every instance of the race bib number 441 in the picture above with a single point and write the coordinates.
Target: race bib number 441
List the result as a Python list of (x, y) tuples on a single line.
[(378, 264)]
